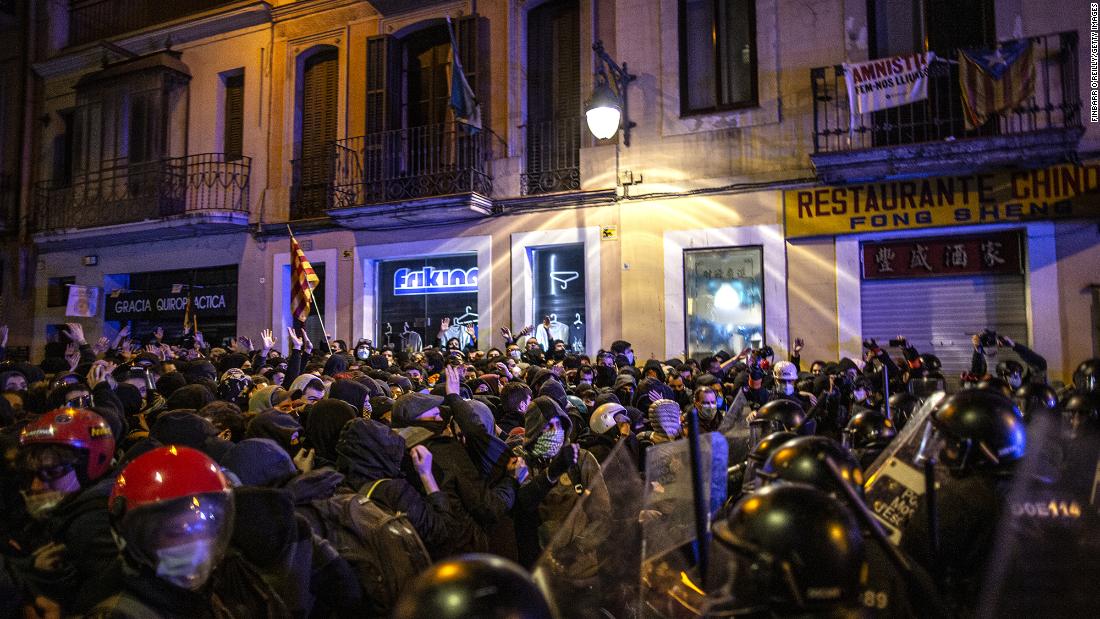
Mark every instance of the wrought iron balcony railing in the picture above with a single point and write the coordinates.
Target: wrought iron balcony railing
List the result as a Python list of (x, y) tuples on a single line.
[(121, 192), (553, 156), (389, 166), (1054, 104), (91, 20)]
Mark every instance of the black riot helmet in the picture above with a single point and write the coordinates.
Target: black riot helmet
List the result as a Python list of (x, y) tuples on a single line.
[(1035, 398), (930, 362), (472, 585), (758, 455), (923, 383), (1081, 414), (1011, 372), (869, 429), (789, 548), (805, 460), (775, 416), (997, 384), (1086, 379), (975, 429), (902, 406)]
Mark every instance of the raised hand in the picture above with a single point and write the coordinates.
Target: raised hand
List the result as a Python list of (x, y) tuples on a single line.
[(422, 459), (444, 323), (307, 346), (3, 336), (304, 460), (72, 355), (798, 344), (101, 345), (470, 330), (76, 332), (454, 375), (268, 340), (292, 337)]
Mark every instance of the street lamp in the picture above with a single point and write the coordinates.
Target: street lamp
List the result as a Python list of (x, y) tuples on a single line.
[(606, 109)]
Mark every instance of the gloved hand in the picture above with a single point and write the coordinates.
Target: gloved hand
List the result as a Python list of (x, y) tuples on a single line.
[(870, 344), (566, 458)]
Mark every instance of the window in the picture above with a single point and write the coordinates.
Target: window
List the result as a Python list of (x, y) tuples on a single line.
[(557, 274), (233, 137), (717, 55), (413, 295), (57, 291), (724, 296)]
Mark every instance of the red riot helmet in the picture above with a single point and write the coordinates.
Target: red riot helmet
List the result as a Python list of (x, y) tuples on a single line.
[(173, 507), (80, 429)]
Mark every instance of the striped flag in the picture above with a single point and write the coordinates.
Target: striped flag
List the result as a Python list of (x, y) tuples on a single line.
[(465, 104), (996, 80), (303, 281)]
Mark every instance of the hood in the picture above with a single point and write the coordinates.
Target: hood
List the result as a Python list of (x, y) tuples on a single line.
[(299, 384), (336, 363), (314, 485), (191, 396), (555, 391), (265, 397), (541, 410), (323, 424), (351, 391), (272, 526), (369, 450), (279, 427), (259, 462), (182, 427)]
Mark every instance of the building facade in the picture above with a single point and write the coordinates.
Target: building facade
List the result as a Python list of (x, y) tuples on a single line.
[(171, 148)]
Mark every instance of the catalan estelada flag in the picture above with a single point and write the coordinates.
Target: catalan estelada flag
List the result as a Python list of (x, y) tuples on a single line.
[(995, 80), (302, 282)]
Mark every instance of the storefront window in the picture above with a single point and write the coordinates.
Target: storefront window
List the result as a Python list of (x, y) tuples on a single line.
[(557, 274), (149, 300), (724, 295), (415, 295)]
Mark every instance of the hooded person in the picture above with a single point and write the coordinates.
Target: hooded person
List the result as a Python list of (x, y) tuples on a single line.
[(231, 361), (625, 388), (259, 462), (571, 472), (191, 397), (235, 386), (477, 505), (354, 393), (187, 428), (370, 456), (322, 428), (279, 427), (335, 364), (169, 383), (608, 425), (266, 397), (664, 421)]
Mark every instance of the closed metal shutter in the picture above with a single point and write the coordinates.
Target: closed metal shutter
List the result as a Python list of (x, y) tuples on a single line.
[(938, 315)]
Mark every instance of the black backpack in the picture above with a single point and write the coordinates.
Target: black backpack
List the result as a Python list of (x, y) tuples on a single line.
[(382, 547)]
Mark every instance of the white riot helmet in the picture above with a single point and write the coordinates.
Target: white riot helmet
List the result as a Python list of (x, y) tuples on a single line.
[(603, 418), (785, 370)]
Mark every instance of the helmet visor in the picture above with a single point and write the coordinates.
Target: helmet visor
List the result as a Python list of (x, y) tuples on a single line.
[(747, 578), (183, 539)]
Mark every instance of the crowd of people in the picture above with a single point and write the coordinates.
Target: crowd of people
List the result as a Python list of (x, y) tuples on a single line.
[(166, 477)]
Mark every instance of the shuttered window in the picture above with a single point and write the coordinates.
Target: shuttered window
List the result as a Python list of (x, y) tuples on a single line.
[(938, 315), (233, 143), (318, 116), (717, 55)]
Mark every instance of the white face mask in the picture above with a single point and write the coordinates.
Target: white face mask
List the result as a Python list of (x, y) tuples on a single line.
[(1015, 380), (859, 395), (39, 504), (515, 354), (787, 388), (187, 566)]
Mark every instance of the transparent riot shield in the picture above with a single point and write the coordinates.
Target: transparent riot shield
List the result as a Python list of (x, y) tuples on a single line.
[(671, 585), (895, 480), (1046, 557), (590, 567)]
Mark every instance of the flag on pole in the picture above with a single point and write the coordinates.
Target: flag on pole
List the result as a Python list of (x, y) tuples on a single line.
[(465, 104), (995, 80), (302, 282)]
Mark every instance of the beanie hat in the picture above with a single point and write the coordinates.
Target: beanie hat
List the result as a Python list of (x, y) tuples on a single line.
[(259, 462)]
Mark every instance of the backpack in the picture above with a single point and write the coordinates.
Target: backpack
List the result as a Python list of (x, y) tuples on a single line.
[(382, 547)]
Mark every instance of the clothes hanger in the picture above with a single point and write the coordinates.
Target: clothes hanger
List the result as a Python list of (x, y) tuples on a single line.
[(466, 318)]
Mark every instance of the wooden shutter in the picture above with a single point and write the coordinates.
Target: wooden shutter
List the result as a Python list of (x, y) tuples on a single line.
[(319, 97), (233, 145), (383, 86)]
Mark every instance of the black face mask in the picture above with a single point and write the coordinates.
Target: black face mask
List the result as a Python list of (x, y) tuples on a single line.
[(433, 426)]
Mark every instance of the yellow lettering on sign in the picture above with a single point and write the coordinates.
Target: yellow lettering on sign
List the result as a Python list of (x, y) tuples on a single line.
[(1059, 192)]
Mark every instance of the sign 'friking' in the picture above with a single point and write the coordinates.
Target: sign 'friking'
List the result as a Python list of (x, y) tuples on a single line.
[(429, 280)]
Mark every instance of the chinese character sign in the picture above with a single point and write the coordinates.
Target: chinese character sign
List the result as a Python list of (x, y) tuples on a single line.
[(943, 256)]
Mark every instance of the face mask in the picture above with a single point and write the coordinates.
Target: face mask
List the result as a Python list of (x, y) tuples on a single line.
[(435, 427), (187, 566), (786, 388), (1015, 380), (515, 354), (859, 395), (708, 411), (719, 403), (39, 504), (549, 443)]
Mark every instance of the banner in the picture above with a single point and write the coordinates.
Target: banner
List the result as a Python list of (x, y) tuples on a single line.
[(1059, 192), (943, 256), (887, 82), (83, 301)]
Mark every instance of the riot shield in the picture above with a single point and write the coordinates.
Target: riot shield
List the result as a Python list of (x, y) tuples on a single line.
[(670, 581), (1046, 556), (895, 480), (590, 567)]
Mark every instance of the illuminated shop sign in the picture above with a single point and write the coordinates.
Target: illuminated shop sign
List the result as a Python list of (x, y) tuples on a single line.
[(429, 280), (213, 301)]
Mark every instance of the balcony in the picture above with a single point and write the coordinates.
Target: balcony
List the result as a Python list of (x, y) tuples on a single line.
[(930, 137), (123, 202), (553, 157), (91, 20), (395, 178)]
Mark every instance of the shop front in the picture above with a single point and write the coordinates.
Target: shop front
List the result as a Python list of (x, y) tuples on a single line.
[(205, 299)]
